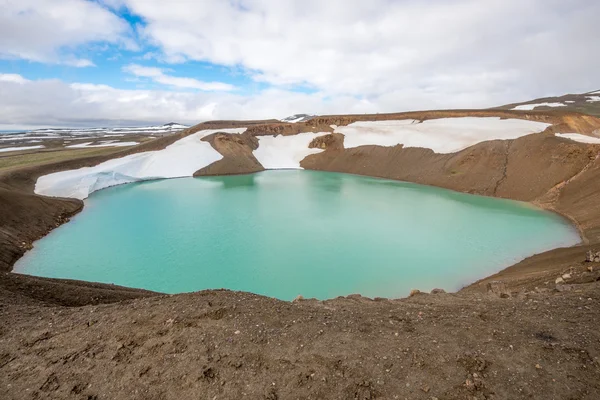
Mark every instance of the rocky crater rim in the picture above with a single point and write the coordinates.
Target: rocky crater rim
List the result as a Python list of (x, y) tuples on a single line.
[(541, 167)]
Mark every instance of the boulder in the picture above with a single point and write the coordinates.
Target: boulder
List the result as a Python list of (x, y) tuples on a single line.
[(499, 289)]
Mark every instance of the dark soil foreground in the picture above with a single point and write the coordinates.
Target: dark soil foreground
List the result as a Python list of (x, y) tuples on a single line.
[(530, 331), (232, 345)]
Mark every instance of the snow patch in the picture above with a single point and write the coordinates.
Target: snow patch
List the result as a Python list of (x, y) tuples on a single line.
[(297, 118), (285, 152), (593, 99), (182, 158), (529, 107), (577, 137), (445, 135), (6, 149)]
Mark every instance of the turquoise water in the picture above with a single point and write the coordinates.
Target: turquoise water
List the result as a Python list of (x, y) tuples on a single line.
[(285, 233)]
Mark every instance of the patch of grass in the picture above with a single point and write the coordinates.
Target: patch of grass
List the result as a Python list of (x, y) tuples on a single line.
[(8, 161)]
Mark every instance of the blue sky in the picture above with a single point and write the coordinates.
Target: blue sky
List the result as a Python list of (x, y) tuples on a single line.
[(78, 62)]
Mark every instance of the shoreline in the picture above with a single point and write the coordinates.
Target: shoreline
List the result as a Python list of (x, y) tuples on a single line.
[(498, 169), (567, 219)]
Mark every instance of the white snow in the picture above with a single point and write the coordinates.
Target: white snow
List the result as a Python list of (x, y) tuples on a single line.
[(530, 107), (20, 148), (297, 118), (187, 155), (445, 135), (109, 131), (293, 121), (182, 158), (592, 99), (598, 92), (285, 152), (569, 101), (579, 137), (106, 143)]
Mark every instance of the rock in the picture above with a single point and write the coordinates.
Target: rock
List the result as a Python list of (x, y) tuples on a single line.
[(565, 288), (559, 280), (566, 276), (438, 291), (592, 256), (589, 256), (590, 269), (414, 292), (298, 298), (499, 289)]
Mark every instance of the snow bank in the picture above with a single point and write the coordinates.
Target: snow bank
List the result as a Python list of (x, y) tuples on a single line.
[(593, 99), (530, 107), (579, 138), (182, 158), (285, 152), (20, 148), (107, 143), (445, 135)]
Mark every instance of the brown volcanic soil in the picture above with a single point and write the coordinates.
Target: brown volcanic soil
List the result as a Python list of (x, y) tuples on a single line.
[(237, 155), (69, 339)]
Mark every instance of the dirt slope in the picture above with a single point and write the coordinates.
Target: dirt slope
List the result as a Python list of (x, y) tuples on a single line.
[(580, 103), (228, 345)]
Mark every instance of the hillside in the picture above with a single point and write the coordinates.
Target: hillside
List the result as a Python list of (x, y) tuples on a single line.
[(586, 103)]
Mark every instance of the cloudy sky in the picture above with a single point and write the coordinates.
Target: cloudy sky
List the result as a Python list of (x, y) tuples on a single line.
[(129, 62)]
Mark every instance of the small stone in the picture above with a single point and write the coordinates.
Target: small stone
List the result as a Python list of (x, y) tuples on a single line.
[(237, 332), (566, 276), (298, 298), (590, 269), (438, 291), (559, 280), (499, 289), (538, 366), (425, 389), (589, 256), (414, 292), (565, 288)]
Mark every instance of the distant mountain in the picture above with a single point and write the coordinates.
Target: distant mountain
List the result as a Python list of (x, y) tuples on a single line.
[(298, 118), (587, 103)]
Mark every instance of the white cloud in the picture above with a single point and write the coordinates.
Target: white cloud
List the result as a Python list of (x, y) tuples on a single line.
[(380, 47), (14, 78), (158, 75), (56, 103), (50, 31), (80, 63)]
